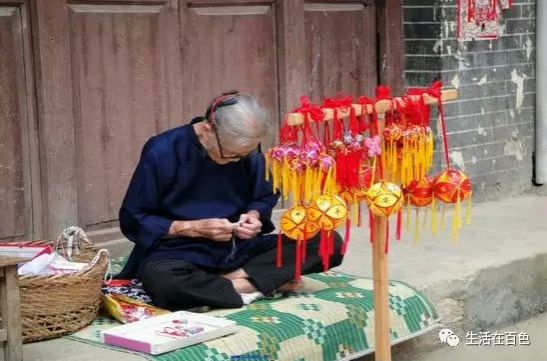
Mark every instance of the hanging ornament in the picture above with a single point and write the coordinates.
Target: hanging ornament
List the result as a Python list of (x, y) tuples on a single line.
[(384, 199), (453, 187), (419, 193), (296, 226), (302, 168), (328, 212)]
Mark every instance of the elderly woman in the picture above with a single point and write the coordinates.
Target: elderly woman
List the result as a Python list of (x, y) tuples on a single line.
[(198, 209)]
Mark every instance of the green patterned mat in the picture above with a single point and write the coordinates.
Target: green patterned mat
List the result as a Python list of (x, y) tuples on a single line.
[(331, 320)]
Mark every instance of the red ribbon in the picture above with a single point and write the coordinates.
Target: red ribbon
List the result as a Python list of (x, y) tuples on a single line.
[(435, 91), (346, 236), (279, 250)]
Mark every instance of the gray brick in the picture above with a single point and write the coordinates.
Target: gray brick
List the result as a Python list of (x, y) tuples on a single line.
[(494, 138)]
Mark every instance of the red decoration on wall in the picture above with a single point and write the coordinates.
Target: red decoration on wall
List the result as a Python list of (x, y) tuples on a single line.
[(479, 19)]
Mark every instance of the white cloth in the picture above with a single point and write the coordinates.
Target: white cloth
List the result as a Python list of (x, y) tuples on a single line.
[(249, 298)]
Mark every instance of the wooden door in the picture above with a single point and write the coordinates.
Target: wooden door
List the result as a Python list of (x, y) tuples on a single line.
[(229, 45), (125, 84), (340, 39), (16, 124)]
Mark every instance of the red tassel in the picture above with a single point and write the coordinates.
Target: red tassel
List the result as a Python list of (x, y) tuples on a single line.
[(322, 244), (279, 250), (386, 247), (331, 243), (304, 245), (298, 269), (399, 224), (326, 257), (359, 215), (346, 236)]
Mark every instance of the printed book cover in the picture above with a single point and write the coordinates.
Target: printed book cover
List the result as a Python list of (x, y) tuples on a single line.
[(172, 331)]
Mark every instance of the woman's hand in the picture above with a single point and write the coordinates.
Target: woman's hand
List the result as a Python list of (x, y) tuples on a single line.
[(249, 225), (215, 229)]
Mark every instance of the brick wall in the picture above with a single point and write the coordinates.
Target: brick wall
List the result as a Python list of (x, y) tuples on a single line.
[(491, 127)]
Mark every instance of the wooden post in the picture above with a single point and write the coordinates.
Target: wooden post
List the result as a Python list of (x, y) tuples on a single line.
[(382, 328), (382, 332)]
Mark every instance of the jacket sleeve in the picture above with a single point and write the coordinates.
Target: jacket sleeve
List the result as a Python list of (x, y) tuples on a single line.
[(264, 199), (140, 218)]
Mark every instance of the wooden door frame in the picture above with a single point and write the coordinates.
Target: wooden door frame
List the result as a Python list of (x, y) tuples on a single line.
[(292, 57), (391, 44)]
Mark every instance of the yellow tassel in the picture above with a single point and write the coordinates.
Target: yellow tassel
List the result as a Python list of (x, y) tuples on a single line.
[(468, 215), (417, 226), (394, 157), (285, 178), (383, 155), (373, 171), (434, 216), (326, 185), (443, 216), (296, 187), (267, 161), (456, 220), (274, 180), (307, 184), (425, 218)]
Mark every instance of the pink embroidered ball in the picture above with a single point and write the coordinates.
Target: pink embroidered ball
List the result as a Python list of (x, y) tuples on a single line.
[(327, 162), (309, 156)]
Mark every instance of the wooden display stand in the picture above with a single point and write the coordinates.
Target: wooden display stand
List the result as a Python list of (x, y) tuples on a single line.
[(382, 333), (11, 331)]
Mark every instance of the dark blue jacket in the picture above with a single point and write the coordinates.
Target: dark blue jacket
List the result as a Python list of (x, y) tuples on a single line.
[(176, 180)]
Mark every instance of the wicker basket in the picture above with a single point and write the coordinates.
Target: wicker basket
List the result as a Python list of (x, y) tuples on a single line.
[(53, 306)]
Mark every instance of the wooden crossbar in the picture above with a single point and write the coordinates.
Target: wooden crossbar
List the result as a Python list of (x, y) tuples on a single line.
[(381, 107)]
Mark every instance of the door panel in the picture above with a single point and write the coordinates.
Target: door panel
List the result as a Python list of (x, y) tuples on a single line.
[(340, 49), (123, 80), (15, 188), (227, 47)]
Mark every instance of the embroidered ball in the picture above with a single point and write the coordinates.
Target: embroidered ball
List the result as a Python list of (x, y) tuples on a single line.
[(384, 198), (420, 192), (451, 185), (393, 132), (326, 162), (295, 224), (328, 211)]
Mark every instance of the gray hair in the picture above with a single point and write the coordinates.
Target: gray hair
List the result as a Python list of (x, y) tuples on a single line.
[(242, 120)]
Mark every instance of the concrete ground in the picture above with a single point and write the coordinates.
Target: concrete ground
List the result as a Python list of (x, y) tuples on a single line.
[(494, 277)]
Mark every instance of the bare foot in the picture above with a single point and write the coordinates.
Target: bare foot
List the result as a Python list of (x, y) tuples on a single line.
[(238, 273), (292, 286), (242, 285)]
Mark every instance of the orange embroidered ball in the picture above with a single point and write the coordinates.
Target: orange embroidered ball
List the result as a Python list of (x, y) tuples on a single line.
[(384, 198), (419, 193), (296, 225), (328, 211), (452, 185)]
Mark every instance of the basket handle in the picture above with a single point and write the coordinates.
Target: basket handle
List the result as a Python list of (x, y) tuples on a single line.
[(70, 235), (108, 274)]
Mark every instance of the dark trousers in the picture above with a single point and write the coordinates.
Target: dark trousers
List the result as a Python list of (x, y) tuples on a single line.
[(175, 284)]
